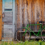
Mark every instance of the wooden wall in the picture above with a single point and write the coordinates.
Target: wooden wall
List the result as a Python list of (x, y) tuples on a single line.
[(31, 11)]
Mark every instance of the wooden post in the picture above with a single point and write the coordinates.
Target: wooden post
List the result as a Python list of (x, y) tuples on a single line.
[(1, 19)]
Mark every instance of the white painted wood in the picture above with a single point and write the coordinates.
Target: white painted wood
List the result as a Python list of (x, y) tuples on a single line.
[(13, 18), (9, 21), (8, 17)]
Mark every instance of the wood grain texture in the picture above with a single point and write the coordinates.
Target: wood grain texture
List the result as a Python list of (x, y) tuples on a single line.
[(30, 11), (0, 19)]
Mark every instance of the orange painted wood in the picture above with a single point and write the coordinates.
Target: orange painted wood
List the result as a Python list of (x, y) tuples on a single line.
[(0, 19)]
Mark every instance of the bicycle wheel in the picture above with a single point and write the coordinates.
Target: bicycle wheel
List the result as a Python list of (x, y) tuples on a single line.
[(20, 30), (43, 36)]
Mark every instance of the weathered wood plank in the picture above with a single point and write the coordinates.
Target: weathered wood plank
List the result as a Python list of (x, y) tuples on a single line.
[(30, 10), (8, 17)]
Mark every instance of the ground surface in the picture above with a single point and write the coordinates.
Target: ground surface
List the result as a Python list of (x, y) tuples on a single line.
[(23, 43)]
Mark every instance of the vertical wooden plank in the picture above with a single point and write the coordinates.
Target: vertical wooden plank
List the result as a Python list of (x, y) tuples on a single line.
[(25, 13), (18, 16), (33, 14), (0, 19), (41, 9), (29, 11), (20, 11), (33, 11), (44, 11), (38, 14)]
